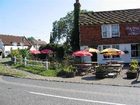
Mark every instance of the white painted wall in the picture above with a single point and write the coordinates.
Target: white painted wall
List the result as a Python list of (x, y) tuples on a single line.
[(1, 49), (1, 45), (7, 49)]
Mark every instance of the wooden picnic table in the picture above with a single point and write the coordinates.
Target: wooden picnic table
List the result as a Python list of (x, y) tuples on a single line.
[(83, 68), (113, 68)]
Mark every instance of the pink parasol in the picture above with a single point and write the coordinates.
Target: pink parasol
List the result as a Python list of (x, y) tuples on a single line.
[(81, 53), (46, 51), (34, 51)]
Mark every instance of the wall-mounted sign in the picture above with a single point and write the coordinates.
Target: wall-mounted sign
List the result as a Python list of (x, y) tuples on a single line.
[(133, 30)]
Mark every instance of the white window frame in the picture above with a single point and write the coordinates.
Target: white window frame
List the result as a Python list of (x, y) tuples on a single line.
[(108, 30), (135, 52)]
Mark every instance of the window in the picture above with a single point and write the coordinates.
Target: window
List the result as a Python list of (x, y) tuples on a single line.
[(135, 50), (111, 30), (14, 44), (115, 46), (21, 44), (115, 30), (106, 31)]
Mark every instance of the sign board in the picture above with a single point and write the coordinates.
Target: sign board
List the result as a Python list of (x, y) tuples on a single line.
[(133, 30)]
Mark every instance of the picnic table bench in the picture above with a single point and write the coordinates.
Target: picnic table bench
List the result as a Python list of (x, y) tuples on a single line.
[(83, 68), (138, 72), (113, 69)]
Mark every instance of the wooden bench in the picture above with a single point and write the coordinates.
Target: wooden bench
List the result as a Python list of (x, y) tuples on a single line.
[(138, 72)]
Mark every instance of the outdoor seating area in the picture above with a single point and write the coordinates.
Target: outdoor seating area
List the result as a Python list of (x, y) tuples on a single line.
[(111, 70)]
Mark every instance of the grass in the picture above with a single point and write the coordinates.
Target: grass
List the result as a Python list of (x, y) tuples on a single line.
[(37, 70), (8, 72)]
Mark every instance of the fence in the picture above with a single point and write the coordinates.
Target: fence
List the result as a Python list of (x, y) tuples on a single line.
[(28, 62)]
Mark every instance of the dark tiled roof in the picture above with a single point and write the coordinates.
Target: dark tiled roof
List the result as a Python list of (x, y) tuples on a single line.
[(38, 42), (9, 39), (105, 17)]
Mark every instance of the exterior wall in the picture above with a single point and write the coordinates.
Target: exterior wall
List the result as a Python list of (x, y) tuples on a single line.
[(1, 49), (92, 36), (7, 49)]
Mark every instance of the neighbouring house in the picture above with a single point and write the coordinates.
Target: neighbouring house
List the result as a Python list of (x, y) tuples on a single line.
[(117, 29), (11, 42), (1, 48), (37, 43)]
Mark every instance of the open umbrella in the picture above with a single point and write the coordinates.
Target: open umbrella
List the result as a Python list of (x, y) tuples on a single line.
[(81, 53), (93, 50), (34, 51), (46, 51), (112, 51)]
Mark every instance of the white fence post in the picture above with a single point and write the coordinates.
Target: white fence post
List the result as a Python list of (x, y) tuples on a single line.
[(46, 64), (25, 61), (15, 60)]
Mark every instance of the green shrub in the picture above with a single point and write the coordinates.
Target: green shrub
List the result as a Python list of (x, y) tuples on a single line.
[(24, 53), (100, 69), (15, 53), (134, 65)]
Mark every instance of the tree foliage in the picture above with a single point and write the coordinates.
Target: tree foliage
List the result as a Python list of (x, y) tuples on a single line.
[(75, 38), (31, 38), (62, 29)]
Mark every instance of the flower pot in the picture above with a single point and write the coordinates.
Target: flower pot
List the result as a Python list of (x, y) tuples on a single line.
[(100, 75), (70, 74), (131, 75)]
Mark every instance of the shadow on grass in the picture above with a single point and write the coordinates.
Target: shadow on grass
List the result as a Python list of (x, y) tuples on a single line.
[(7, 63)]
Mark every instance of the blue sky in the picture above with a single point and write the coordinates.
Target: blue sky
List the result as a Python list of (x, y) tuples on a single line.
[(35, 17)]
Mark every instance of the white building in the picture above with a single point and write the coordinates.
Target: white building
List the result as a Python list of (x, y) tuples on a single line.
[(10, 42)]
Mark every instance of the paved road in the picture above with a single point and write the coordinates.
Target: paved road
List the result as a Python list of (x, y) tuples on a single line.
[(17, 91)]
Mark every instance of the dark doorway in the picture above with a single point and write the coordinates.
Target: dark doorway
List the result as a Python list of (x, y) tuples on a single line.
[(94, 57)]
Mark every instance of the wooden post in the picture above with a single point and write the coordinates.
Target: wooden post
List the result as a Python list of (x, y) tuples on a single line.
[(15, 60)]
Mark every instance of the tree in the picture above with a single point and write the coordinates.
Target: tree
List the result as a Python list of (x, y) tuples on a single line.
[(62, 29), (75, 38), (31, 38), (66, 29)]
